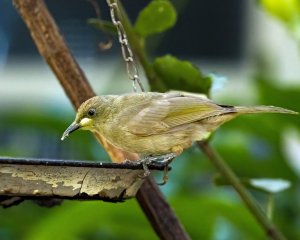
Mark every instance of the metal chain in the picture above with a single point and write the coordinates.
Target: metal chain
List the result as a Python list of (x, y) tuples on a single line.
[(131, 66)]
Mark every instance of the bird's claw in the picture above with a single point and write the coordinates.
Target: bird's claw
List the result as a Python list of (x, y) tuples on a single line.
[(163, 159), (165, 177)]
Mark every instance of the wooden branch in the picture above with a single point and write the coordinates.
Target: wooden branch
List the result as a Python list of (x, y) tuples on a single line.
[(52, 47), (168, 227), (48, 178), (54, 50)]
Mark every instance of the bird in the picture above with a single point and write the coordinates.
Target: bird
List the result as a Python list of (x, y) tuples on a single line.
[(157, 124)]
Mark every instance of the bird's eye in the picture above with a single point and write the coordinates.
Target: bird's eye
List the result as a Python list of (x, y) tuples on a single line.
[(91, 112)]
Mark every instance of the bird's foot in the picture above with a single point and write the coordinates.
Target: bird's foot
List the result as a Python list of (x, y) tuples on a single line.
[(162, 159), (144, 162), (165, 177), (165, 160)]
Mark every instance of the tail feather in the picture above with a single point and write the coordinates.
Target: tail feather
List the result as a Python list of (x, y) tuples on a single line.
[(263, 109)]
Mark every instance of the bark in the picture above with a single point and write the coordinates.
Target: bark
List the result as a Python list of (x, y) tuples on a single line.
[(48, 178)]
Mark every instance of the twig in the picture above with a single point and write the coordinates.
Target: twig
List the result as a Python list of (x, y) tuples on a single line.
[(52, 47), (103, 45), (249, 201)]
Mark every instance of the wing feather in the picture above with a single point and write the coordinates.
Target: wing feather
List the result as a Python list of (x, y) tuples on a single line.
[(172, 110)]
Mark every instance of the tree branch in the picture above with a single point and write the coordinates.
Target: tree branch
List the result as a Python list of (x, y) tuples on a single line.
[(249, 201), (54, 50), (52, 47), (49, 178)]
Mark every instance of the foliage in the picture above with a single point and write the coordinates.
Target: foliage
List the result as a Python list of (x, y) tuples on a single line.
[(157, 17), (181, 75), (287, 11)]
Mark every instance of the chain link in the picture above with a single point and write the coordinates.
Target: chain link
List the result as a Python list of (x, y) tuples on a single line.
[(131, 66)]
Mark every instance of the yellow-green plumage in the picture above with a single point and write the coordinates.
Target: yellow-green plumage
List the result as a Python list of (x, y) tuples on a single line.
[(157, 123)]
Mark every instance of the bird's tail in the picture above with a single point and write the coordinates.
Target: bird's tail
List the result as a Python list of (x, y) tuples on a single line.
[(263, 109)]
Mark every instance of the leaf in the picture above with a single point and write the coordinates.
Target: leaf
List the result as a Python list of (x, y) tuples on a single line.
[(266, 185), (270, 185), (156, 17), (285, 10), (105, 26), (181, 75)]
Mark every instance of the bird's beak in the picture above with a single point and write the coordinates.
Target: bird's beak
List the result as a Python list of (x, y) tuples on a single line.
[(73, 127)]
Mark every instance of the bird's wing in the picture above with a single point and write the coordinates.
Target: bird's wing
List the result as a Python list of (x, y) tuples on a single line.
[(161, 115)]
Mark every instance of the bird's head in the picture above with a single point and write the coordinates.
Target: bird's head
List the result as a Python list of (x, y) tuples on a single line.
[(86, 116)]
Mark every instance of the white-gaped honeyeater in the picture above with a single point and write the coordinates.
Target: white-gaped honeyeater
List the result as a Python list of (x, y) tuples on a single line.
[(153, 124)]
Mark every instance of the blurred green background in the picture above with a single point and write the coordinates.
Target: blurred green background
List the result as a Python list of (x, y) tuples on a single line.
[(250, 51)]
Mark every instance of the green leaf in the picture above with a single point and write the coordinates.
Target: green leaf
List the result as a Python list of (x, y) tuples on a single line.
[(285, 10), (270, 185), (105, 26), (181, 75), (156, 17), (266, 185)]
